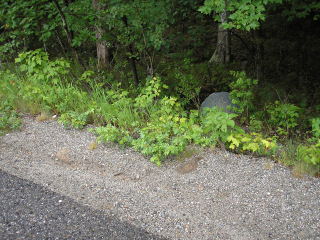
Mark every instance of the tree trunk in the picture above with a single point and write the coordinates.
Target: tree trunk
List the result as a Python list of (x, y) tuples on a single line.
[(258, 56), (132, 58), (134, 67), (103, 52), (223, 49), (66, 29)]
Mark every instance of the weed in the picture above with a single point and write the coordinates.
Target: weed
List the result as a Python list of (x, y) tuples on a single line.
[(252, 142), (218, 125), (146, 118), (111, 133), (9, 121), (309, 154), (287, 154), (75, 119), (39, 69), (315, 124), (242, 94), (283, 117), (42, 117)]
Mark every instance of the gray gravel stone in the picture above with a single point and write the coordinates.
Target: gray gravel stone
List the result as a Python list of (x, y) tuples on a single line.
[(223, 196)]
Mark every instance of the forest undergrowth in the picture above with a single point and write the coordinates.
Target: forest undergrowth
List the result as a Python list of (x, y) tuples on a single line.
[(155, 120)]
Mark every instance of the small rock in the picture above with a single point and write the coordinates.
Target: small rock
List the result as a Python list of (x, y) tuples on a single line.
[(42, 117), (189, 166), (93, 145), (63, 155), (201, 187)]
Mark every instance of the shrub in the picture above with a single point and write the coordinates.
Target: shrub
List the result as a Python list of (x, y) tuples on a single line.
[(38, 68), (188, 83), (9, 120), (218, 125), (111, 133), (255, 125), (75, 119), (310, 154), (242, 94), (165, 133), (174, 130), (145, 118), (315, 124), (283, 117), (252, 142)]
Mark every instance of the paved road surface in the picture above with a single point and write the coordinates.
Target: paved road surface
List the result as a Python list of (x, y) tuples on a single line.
[(29, 211)]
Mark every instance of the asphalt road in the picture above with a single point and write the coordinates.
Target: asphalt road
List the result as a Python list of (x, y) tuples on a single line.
[(30, 211)]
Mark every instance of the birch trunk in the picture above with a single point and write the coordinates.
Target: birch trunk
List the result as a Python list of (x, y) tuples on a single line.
[(101, 45), (222, 52)]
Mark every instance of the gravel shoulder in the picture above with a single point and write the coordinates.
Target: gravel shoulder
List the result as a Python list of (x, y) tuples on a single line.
[(215, 195)]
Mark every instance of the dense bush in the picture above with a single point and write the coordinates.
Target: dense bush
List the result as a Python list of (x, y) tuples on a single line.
[(147, 118)]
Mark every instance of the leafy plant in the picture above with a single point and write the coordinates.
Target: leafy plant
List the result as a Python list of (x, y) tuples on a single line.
[(310, 154), (150, 93), (75, 119), (315, 123), (255, 125), (111, 133), (287, 153), (165, 133), (218, 125), (253, 142), (242, 94), (9, 120), (188, 84), (38, 68), (283, 117)]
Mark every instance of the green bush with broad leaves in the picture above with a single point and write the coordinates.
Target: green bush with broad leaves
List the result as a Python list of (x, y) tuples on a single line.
[(167, 131), (218, 125), (188, 82), (283, 117), (315, 124), (255, 124), (310, 153), (38, 68), (252, 142), (9, 120), (110, 133), (145, 118), (75, 119), (242, 94), (172, 131)]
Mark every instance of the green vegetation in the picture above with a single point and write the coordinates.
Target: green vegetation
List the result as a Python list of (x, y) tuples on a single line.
[(9, 120), (139, 70)]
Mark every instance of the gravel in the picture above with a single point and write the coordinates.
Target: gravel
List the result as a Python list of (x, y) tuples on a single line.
[(220, 196)]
